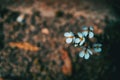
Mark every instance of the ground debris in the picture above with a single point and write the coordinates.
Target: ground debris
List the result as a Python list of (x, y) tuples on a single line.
[(24, 45), (67, 66)]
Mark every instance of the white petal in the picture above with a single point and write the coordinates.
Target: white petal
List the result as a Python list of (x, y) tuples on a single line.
[(82, 53), (75, 45), (19, 19), (91, 34), (85, 33), (84, 28), (97, 45), (81, 43), (71, 33), (87, 56), (77, 40), (89, 51), (67, 34), (97, 49), (73, 39), (91, 28), (80, 34), (68, 40)]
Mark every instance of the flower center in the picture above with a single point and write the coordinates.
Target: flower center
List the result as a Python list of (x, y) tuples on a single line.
[(81, 38), (71, 36), (85, 52)]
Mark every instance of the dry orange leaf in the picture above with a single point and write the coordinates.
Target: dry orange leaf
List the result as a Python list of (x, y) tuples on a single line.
[(1, 79), (24, 45), (67, 66)]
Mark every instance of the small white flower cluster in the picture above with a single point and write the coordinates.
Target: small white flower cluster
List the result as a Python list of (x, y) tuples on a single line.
[(82, 39)]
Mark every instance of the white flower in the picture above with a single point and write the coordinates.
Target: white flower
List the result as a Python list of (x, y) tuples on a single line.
[(75, 45), (69, 37), (85, 53), (88, 31), (80, 39), (20, 18), (97, 47)]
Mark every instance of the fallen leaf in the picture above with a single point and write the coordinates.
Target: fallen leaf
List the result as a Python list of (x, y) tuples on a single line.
[(67, 66), (1, 79), (24, 45)]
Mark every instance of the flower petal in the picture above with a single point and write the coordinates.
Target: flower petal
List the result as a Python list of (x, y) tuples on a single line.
[(71, 33), (91, 28), (87, 56), (73, 39), (68, 40), (67, 34), (75, 45), (84, 28), (82, 53), (97, 45), (97, 49), (91, 34), (19, 19), (81, 43), (89, 51), (77, 40), (80, 34), (85, 33)]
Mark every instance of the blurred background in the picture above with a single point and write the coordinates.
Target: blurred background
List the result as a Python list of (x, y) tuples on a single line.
[(32, 43)]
